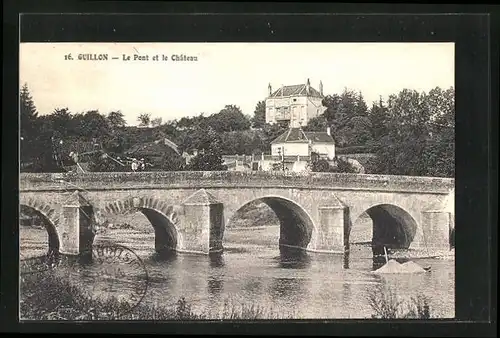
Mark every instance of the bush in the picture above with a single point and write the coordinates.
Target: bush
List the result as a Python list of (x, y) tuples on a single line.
[(344, 166), (387, 305)]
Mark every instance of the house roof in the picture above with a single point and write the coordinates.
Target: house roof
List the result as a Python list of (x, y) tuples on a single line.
[(296, 90), (319, 136), (79, 145), (170, 144), (297, 135), (150, 149)]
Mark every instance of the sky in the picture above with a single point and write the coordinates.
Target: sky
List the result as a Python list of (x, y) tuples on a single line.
[(224, 73)]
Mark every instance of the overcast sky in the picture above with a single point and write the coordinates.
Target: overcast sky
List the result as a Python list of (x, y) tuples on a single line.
[(225, 73)]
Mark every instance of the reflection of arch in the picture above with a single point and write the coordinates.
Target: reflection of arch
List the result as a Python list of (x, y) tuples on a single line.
[(163, 218), (48, 214), (393, 226), (296, 225)]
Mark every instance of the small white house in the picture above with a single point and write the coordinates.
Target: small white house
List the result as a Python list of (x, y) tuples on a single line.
[(300, 144)]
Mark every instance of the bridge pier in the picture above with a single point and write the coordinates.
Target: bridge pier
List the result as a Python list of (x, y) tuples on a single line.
[(332, 229), (436, 226), (202, 228), (76, 226)]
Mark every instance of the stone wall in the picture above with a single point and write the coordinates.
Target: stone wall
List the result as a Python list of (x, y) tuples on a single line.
[(200, 179)]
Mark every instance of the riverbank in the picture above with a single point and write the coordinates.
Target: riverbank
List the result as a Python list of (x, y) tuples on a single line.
[(49, 295)]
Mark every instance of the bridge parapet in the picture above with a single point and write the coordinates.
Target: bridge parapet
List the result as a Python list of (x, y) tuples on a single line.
[(214, 179)]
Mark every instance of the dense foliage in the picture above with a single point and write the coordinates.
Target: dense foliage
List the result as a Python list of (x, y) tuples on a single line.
[(410, 134)]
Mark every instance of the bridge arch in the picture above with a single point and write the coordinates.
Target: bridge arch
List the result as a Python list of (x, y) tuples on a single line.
[(50, 218), (296, 224), (393, 226), (163, 217)]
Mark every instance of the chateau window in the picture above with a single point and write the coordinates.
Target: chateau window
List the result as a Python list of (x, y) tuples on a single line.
[(294, 100)]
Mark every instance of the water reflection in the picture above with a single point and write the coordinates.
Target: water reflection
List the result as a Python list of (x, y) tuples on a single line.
[(346, 259), (313, 285), (215, 285), (252, 286), (294, 258), (164, 256), (346, 294), (378, 262), (216, 260), (291, 290)]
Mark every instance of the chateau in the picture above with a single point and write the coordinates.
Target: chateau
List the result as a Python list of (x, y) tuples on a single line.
[(294, 105)]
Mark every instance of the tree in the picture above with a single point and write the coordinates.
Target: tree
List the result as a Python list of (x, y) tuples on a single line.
[(209, 156), (29, 131), (439, 152), (340, 109), (144, 119), (361, 107), (318, 123), (378, 118), (320, 165), (171, 162), (269, 133), (402, 148), (28, 113), (62, 121), (116, 119), (358, 130), (94, 125), (118, 142), (230, 118), (156, 122), (259, 115), (420, 134)]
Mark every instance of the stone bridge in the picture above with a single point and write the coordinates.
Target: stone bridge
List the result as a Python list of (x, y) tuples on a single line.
[(189, 210)]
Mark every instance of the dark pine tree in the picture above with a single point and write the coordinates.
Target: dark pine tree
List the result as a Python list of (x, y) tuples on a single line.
[(379, 118), (259, 115)]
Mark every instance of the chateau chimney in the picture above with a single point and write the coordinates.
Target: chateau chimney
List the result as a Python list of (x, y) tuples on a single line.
[(282, 87), (329, 131), (321, 88), (270, 89), (308, 86)]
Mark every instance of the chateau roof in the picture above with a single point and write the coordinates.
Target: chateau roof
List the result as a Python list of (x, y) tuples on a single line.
[(297, 135), (296, 90)]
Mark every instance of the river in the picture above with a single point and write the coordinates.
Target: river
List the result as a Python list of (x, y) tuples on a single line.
[(252, 271)]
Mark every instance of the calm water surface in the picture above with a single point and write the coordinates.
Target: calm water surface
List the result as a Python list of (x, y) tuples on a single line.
[(308, 285)]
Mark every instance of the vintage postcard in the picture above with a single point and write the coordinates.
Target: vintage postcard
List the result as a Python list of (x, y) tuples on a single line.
[(195, 181)]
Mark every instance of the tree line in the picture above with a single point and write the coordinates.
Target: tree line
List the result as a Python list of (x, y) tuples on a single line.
[(412, 133)]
